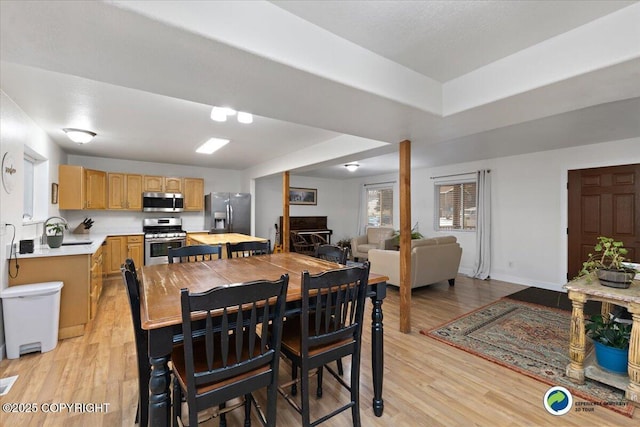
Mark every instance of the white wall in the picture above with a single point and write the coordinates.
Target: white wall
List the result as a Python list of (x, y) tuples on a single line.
[(529, 208), (16, 132), (336, 200), (529, 202), (106, 221)]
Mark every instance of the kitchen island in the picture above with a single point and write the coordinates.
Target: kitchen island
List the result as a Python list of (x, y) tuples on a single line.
[(220, 239)]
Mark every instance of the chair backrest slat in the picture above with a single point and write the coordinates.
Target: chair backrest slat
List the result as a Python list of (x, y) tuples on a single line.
[(244, 249)]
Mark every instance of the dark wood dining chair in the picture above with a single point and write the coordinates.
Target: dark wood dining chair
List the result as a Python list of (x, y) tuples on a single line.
[(329, 328), (244, 249), (233, 359), (318, 240), (301, 245), (194, 253), (130, 278), (331, 253)]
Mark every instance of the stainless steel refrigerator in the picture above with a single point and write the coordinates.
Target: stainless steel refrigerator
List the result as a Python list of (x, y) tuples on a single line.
[(227, 213)]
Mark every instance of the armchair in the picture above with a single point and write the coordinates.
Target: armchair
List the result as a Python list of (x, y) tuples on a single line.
[(375, 238)]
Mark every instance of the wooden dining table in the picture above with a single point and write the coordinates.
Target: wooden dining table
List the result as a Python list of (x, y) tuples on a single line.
[(161, 313)]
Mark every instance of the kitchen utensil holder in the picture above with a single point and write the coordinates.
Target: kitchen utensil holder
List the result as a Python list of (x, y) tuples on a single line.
[(81, 230)]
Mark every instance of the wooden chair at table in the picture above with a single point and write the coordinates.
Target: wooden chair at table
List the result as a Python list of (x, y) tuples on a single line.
[(329, 329), (232, 359), (318, 240), (194, 253), (301, 245), (244, 249), (130, 278), (331, 253)]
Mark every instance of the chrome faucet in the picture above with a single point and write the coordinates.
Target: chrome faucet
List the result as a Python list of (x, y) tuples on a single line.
[(43, 238)]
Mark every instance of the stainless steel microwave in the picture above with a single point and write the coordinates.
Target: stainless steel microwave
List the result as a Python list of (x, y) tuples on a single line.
[(162, 202)]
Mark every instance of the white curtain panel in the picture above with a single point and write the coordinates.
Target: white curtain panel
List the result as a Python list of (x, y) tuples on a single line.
[(482, 265)]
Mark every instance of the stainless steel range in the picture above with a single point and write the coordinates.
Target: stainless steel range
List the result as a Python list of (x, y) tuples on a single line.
[(159, 235)]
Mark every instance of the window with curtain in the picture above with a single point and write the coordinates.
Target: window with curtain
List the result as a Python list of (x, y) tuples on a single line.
[(379, 206), (456, 205)]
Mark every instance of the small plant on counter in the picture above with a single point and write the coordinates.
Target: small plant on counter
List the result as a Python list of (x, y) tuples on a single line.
[(56, 228)]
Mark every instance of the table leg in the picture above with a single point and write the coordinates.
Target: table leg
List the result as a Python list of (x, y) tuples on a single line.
[(575, 369), (633, 390), (159, 401), (377, 351)]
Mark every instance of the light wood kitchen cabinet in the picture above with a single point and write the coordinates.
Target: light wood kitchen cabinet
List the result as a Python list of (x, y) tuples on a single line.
[(162, 184), (81, 188), (193, 194), (119, 248), (116, 253), (96, 189), (125, 191), (135, 249), (96, 282), (82, 285)]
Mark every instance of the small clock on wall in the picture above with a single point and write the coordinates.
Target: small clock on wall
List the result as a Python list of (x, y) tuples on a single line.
[(9, 171)]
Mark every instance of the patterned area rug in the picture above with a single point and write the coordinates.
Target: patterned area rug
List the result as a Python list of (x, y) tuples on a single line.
[(530, 339)]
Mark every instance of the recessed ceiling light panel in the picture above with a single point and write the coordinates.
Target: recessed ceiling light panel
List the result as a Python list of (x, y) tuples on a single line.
[(212, 145), (352, 167)]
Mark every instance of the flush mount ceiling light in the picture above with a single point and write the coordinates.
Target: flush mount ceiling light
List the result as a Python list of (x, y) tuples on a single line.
[(246, 118), (80, 136), (352, 167), (220, 114), (212, 145)]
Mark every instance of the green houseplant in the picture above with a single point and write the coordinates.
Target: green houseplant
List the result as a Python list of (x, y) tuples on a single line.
[(415, 234), (607, 263), (55, 234), (611, 340)]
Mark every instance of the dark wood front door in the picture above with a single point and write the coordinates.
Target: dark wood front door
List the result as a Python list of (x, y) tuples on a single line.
[(603, 202)]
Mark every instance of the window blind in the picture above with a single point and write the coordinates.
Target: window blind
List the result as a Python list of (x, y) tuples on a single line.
[(456, 207), (380, 207)]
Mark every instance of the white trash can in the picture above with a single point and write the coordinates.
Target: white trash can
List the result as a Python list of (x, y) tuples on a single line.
[(31, 317)]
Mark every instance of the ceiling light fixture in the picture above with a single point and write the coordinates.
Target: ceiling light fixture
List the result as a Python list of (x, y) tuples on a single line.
[(246, 118), (352, 167), (79, 136), (220, 114), (212, 145)]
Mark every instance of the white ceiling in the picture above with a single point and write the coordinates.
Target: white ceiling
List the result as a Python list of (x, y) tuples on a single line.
[(463, 80)]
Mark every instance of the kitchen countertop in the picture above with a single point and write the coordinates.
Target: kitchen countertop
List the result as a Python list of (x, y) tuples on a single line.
[(221, 239), (96, 239)]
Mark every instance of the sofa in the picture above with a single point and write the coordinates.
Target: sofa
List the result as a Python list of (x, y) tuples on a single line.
[(374, 238), (433, 260)]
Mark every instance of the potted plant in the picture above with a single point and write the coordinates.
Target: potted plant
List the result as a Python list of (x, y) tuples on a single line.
[(55, 234), (345, 243), (607, 263), (611, 340), (415, 234)]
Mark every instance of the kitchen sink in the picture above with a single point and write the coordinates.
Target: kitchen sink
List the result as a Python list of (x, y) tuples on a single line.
[(84, 242)]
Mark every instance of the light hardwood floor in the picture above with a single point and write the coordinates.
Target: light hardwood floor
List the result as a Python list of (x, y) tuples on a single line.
[(426, 383)]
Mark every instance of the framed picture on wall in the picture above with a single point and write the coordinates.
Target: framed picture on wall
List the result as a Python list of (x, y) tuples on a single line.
[(303, 196)]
